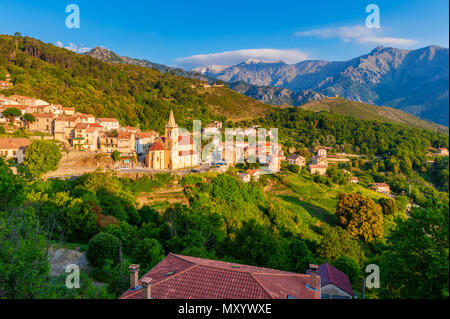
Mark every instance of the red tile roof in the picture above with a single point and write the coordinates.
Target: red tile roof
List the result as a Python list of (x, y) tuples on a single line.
[(13, 143), (197, 278), (43, 115), (331, 275), (145, 135), (82, 126), (124, 135), (157, 146)]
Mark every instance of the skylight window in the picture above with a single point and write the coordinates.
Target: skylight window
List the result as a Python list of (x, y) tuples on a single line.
[(170, 273)]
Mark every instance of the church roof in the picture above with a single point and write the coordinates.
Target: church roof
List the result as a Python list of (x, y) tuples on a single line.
[(171, 122), (157, 146)]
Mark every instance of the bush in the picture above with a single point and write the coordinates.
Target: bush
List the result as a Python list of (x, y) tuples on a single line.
[(148, 253), (102, 247), (42, 156), (348, 266), (294, 168)]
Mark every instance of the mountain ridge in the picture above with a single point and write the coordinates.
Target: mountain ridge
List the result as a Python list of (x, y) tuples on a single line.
[(415, 81)]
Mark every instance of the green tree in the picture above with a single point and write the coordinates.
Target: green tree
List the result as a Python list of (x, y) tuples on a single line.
[(336, 242), (102, 247), (42, 156), (416, 264), (11, 113), (28, 118), (360, 216), (12, 186), (256, 245), (348, 266), (388, 206), (24, 266), (147, 253), (115, 155)]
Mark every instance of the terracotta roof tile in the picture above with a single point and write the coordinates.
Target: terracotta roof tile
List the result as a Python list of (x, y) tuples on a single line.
[(13, 143), (197, 278), (157, 146)]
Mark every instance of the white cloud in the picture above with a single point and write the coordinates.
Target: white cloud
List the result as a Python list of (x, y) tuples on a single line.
[(235, 57), (359, 34), (73, 47)]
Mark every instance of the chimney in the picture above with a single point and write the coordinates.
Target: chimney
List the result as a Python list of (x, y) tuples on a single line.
[(134, 272), (146, 288), (313, 273)]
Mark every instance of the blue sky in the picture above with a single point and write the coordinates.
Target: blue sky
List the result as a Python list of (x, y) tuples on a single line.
[(194, 33)]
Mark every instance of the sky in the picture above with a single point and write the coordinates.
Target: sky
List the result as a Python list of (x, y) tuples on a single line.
[(196, 33)]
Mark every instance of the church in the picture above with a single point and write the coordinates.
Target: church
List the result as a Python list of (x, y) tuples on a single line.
[(172, 151)]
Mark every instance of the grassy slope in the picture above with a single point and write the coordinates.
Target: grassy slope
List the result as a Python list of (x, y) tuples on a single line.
[(371, 112), (308, 203)]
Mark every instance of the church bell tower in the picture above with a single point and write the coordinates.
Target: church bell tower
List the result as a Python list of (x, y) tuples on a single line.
[(171, 133)]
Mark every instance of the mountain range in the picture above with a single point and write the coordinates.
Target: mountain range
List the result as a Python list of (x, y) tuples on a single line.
[(415, 81)]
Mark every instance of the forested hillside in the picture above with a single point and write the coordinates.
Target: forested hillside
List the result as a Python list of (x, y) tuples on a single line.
[(133, 94)]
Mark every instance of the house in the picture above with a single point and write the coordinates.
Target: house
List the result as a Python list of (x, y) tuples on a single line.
[(43, 122), (14, 148), (442, 151), (244, 177), (129, 129), (87, 118), (7, 101), (85, 137), (108, 142), (179, 150), (322, 152), (126, 143), (5, 85), (26, 100), (143, 141), (254, 173), (274, 162), (184, 277), (109, 123), (354, 180), (319, 160), (63, 126), (334, 284), (380, 188), (317, 169), (68, 110), (22, 108), (296, 160)]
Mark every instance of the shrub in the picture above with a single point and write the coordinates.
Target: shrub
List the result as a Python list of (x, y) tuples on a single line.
[(102, 247)]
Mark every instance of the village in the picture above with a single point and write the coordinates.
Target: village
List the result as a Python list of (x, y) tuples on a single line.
[(132, 149)]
